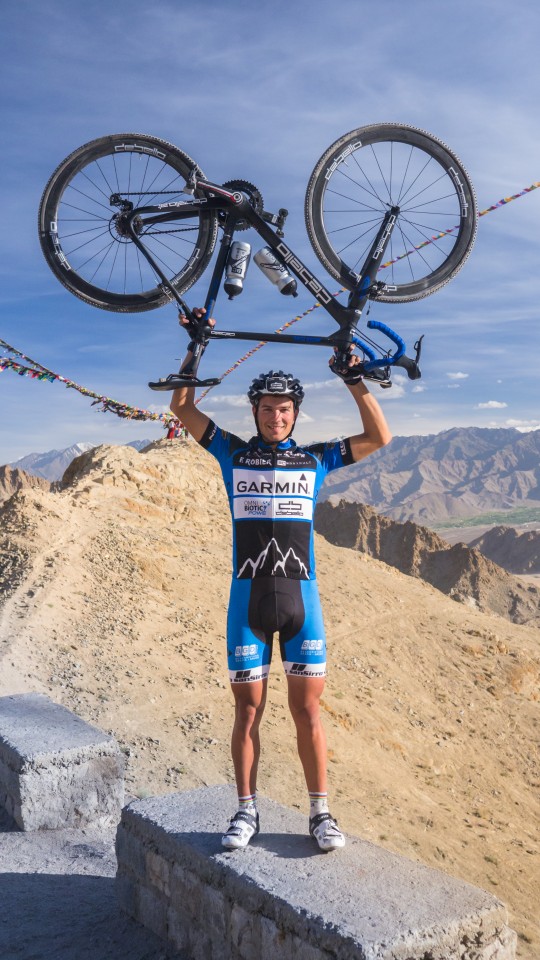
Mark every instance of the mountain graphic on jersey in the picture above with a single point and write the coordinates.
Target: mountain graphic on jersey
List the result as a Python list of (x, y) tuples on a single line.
[(273, 560)]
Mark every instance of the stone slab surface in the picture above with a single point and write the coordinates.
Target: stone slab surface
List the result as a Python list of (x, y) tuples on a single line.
[(282, 895), (55, 769), (58, 898), (32, 726)]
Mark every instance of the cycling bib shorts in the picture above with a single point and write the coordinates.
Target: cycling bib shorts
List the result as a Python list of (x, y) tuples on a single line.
[(272, 495)]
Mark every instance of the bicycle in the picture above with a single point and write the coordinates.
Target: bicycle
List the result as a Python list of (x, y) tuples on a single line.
[(383, 187)]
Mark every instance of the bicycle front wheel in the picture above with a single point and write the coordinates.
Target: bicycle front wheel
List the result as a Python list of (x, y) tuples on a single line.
[(81, 233), (355, 183)]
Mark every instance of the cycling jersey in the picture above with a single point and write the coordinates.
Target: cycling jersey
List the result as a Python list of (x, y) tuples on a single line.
[(272, 495)]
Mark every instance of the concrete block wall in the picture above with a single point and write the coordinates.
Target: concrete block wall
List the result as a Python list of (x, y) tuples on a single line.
[(282, 899), (56, 770)]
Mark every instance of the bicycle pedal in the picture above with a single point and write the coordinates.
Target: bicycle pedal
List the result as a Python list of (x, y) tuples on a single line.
[(175, 381)]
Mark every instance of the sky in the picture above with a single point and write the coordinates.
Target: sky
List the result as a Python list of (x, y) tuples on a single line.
[(258, 91)]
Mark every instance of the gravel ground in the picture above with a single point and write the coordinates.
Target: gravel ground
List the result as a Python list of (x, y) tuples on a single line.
[(58, 902)]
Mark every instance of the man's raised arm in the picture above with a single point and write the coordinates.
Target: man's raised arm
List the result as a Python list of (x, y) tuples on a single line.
[(183, 399), (376, 433)]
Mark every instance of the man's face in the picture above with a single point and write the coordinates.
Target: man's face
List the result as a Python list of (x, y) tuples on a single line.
[(275, 417)]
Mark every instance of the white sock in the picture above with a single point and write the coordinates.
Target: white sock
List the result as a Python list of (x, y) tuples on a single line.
[(318, 803), (248, 803)]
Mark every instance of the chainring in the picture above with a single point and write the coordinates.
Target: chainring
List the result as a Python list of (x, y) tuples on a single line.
[(253, 195)]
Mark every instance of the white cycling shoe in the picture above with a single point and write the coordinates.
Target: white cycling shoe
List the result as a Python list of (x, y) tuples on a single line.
[(242, 827), (324, 829)]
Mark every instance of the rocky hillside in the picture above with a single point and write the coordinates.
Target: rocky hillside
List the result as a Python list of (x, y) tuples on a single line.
[(459, 571), (13, 480), (458, 473), (517, 552), (114, 600)]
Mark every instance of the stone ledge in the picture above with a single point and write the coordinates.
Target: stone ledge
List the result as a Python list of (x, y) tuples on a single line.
[(281, 899), (56, 770)]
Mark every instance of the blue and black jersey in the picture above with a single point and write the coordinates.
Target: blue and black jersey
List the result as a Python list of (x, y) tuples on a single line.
[(272, 496)]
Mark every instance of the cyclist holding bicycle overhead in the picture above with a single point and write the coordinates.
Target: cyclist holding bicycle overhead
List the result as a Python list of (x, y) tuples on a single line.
[(272, 485)]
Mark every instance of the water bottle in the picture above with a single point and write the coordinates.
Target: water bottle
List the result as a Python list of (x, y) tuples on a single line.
[(235, 271), (276, 271)]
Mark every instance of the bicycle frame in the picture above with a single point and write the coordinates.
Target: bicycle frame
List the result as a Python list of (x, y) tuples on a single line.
[(364, 286)]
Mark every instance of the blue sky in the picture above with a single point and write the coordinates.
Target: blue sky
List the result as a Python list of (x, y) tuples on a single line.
[(258, 91)]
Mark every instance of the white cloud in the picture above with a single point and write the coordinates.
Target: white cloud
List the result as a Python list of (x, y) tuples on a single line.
[(418, 389), (453, 386), (491, 405), (457, 376), (524, 426)]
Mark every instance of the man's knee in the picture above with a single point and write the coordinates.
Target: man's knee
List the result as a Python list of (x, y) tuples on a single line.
[(249, 703)]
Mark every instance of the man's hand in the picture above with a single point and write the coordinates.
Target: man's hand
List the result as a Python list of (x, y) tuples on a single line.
[(198, 313), (350, 373)]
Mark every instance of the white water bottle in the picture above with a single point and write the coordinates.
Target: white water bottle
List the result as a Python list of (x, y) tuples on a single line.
[(276, 271), (236, 269)]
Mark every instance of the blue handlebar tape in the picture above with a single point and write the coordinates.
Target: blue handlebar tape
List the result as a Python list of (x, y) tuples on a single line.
[(367, 350), (392, 335)]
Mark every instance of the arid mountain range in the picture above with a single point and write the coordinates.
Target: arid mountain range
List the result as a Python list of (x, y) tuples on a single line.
[(459, 571), (52, 464), (458, 473), (113, 597), (516, 552)]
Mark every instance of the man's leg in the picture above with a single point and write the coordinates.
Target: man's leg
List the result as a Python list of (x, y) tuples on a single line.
[(250, 699), (304, 702)]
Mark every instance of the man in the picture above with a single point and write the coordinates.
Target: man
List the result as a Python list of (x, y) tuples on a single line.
[(272, 486)]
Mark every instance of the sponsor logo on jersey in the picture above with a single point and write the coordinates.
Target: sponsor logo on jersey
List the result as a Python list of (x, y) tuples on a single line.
[(274, 508), (254, 508), (272, 483), (291, 458), (289, 508)]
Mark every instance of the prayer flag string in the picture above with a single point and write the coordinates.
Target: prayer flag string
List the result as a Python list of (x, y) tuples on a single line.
[(107, 405)]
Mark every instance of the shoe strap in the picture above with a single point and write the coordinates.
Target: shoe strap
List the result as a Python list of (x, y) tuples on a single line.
[(248, 818), (320, 818)]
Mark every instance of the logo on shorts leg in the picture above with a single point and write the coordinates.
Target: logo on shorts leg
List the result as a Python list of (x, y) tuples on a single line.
[(248, 676), (307, 670), (247, 651), (316, 645)]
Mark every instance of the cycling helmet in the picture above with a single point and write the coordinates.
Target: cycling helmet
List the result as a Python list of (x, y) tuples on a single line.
[(276, 383)]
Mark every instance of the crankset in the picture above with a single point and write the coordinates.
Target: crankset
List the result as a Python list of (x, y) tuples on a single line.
[(253, 196)]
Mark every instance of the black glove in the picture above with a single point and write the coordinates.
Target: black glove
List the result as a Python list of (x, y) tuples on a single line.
[(349, 375)]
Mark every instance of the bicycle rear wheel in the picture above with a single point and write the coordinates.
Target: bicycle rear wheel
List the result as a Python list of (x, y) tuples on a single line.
[(81, 234), (371, 169)]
